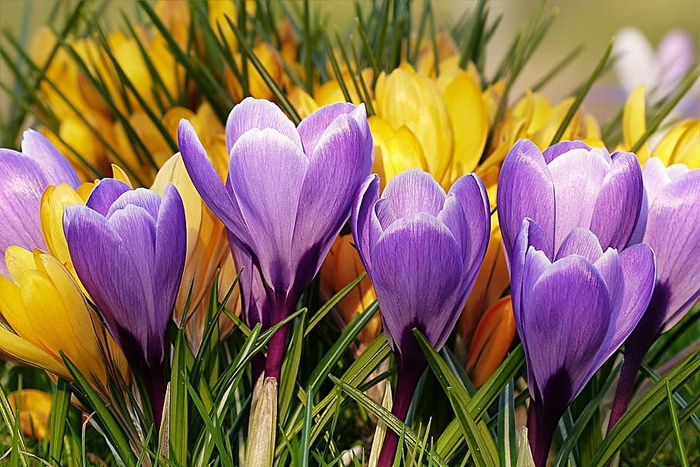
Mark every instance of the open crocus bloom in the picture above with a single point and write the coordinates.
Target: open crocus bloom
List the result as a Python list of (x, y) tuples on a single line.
[(23, 178), (573, 308), (569, 185), (288, 193)]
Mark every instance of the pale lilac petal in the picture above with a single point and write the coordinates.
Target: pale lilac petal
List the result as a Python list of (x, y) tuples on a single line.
[(107, 271), (676, 56), (312, 127), (258, 114), (416, 269), (622, 187), (530, 237), (566, 318), (54, 165), (636, 60), (384, 214), (170, 249), (580, 242), (672, 232), (332, 179), (260, 161), (21, 188), (105, 194), (577, 177), (361, 217), (637, 268), (558, 149), (414, 191), (608, 264), (205, 178), (525, 189), (148, 200)]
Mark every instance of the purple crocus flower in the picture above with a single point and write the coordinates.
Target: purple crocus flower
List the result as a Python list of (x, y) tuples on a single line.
[(128, 248), (569, 185), (288, 193), (574, 307), (23, 178), (670, 224), (422, 249)]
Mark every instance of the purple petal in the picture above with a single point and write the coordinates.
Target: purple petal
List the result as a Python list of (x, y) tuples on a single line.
[(580, 242), (332, 180), (54, 165), (267, 173), (206, 180), (566, 319), (256, 307), (474, 235), (107, 271), (636, 265), (530, 237), (148, 200), (672, 232), (170, 249), (619, 201), (258, 114), (361, 217), (21, 188), (525, 189), (105, 194), (417, 271), (414, 191), (312, 127), (360, 116), (558, 149), (577, 177)]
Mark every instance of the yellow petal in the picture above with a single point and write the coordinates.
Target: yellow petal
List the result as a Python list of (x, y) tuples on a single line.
[(302, 102), (26, 352), (681, 145), (35, 407), (633, 122), (53, 203), (491, 341), (467, 111), (395, 151)]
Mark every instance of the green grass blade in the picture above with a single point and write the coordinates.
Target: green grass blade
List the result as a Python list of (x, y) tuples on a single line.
[(178, 400), (507, 452), (682, 456), (328, 306), (57, 422), (18, 446), (290, 368)]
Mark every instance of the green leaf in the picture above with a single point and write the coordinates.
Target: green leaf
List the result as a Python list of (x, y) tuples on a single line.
[(638, 413), (507, 452), (481, 445), (330, 304), (290, 368), (676, 426), (57, 423), (18, 446), (179, 421)]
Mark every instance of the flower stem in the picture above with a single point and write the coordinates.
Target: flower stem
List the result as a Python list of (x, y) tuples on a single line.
[(156, 388), (406, 381), (540, 430), (275, 354), (633, 361)]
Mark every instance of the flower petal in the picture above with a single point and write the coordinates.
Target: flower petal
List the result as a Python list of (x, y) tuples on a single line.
[(525, 177), (566, 319), (253, 113), (205, 178), (260, 159), (416, 271), (580, 242), (311, 129), (577, 177), (558, 149), (622, 187), (672, 232), (361, 217), (414, 191), (332, 179), (54, 165), (105, 194)]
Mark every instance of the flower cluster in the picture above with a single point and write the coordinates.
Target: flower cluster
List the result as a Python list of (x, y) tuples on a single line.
[(258, 172)]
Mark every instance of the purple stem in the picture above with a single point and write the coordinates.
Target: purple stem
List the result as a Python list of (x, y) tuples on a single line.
[(156, 387), (540, 432), (625, 386), (275, 354), (406, 381)]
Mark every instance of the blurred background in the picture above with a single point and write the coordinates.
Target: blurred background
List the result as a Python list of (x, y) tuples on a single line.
[(590, 23)]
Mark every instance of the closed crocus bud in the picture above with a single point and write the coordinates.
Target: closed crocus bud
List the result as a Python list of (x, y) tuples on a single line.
[(669, 223), (422, 249), (569, 185), (574, 306), (47, 314), (491, 341), (128, 249), (23, 178), (288, 193), (34, 408)]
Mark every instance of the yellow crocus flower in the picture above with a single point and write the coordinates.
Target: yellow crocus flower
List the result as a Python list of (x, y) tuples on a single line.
[(34, 408), (47, 314)]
